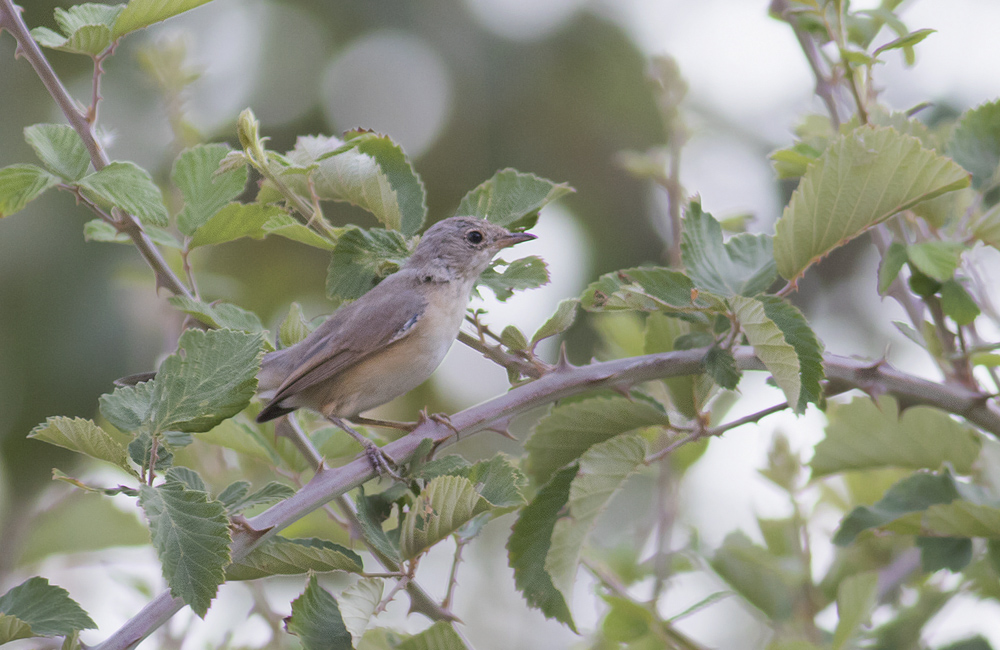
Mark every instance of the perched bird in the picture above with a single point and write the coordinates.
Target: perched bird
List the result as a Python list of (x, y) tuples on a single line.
[(392, 338)]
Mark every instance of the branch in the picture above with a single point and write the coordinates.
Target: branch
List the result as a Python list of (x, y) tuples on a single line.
[(843, 373), (824, 87), (10, 19)]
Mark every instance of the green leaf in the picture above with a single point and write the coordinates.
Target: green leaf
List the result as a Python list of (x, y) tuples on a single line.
[(687, 392), (759, 577), (210, 378), (102, 231), (440, 636), (905, 42), (526, 273), (602, 470), (48, 609), (975, 144), (317, 621), (86, 29), (286, 226), (513, 338), (559, 322), (234, 221), (530, 542), (977, 642), (770, 346), (912, 494), (219, 315), (129, 187), (857, 596), (128, 406), (863, 178), (281, 556), (21, 184), (295, 327), (205, 191), (236, 497), (986, 228), (139, 14), (60, 148), (12, 628), (938, 553), (626, 621), (241, 438), (963, 519), (498, 481), (363, 258), (442, 507), (890, 266), (567, 431), (510, 196), (742, 266), (372, 511), (643, 289), (190, 533), (861, 435), (721, 366), (797, 332), (957, 303), (358, 604), (936, 259), (85, 437)]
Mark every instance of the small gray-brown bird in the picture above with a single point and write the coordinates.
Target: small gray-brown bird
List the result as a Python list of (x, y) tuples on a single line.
[(391, 339)]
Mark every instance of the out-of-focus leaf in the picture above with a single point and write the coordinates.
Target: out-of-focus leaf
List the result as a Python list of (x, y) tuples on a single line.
[(757, 576), (856, 598), (890, 266), (440, 636), (936, 259), (143, 13), (21, 184), (559, 322), (952, 553), (957, 303), (219, 315), (975, 144)]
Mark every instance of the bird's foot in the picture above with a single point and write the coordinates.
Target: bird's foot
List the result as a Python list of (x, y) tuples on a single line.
[(383, 464)]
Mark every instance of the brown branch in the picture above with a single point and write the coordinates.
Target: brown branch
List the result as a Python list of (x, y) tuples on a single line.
[(843, 373), (10, 19)]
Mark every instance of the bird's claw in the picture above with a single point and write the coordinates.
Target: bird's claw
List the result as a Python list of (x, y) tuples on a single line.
[(383, 464)]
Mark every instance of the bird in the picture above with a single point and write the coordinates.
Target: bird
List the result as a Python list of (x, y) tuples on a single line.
[(392, 338)]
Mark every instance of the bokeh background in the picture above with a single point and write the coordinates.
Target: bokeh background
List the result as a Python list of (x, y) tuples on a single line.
[(554, 87)]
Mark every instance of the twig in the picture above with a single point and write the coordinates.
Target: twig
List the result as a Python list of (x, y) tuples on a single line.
[(843, 373), (10, 19), (453, 575), (824, 87)]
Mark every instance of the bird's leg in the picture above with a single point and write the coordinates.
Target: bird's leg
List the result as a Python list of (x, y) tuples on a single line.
[(380, 460), (388, 424), (440, 418)]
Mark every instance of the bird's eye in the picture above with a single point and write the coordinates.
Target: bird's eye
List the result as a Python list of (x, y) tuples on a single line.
[(474, 237)]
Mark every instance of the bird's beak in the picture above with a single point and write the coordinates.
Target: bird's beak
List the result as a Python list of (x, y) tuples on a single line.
[(514, 238)]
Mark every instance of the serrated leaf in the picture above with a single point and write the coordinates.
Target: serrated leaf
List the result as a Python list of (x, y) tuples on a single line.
[(234, 221), (60, 148), (510, 196), (128, 406), (101, 231), (440, 636), (567, 431), (48, 609), (129, 187), (238, 499), (372, 511), (800, 336), (742, 266), (190, 533), (720, 364), (643, 289), (285, 225), (85, 437), (863, 178), (358, 604), (21, 184), (281, 556), (559, 322), (861, 435), (530, 542), (770, 346), (363, 258), (317, 621), (393, 164), (210, 378), (759, 577), (890, 266), (975, 144), (857, 596), (139, 14), (912, 494), (957, 303), (602, 470), (986, 228), (219, 315), (526, 273), (295, 327), (86, 29), (498, 481), (936, 259), (205, 191), (442, 507)]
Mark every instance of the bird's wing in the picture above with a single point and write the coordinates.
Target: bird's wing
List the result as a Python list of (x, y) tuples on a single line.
[(382, 316)]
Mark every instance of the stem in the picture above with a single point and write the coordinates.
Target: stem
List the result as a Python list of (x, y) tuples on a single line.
[(453, 575), (843, 373), (824, 86), (10, 19)]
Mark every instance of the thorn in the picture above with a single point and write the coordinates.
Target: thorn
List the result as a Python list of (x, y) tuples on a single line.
[(623, 390), (563, 364), (503, 432)]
